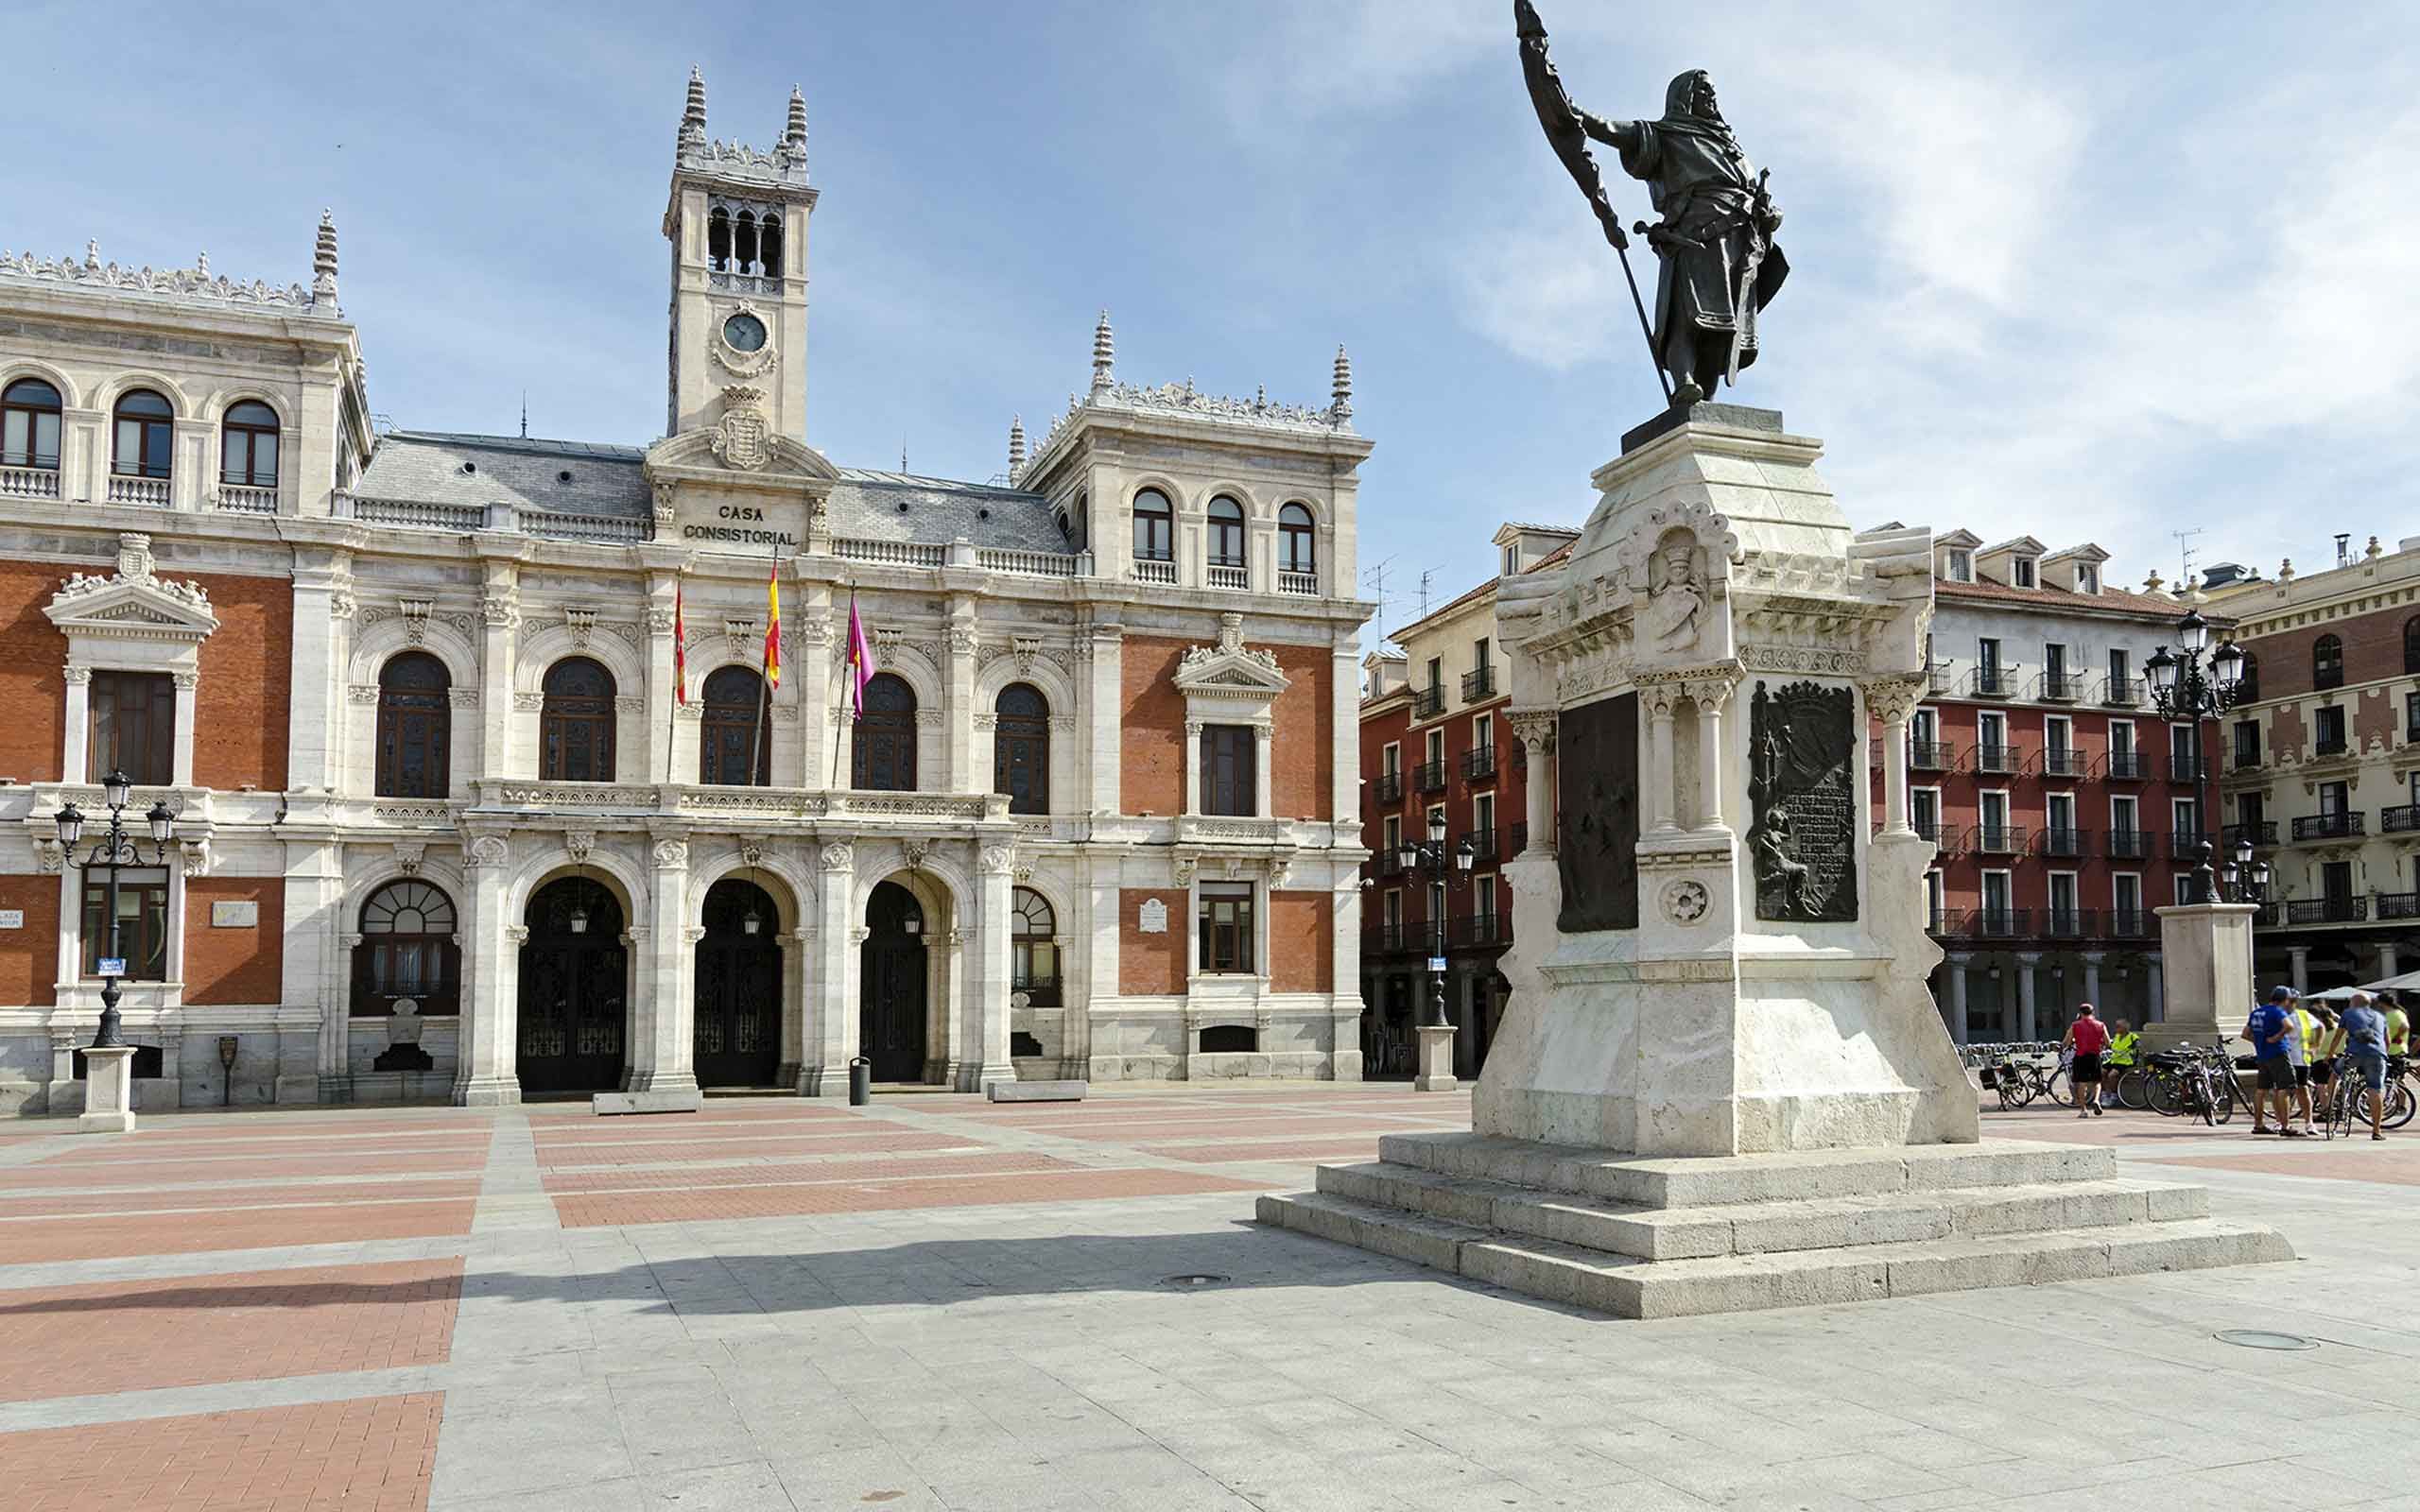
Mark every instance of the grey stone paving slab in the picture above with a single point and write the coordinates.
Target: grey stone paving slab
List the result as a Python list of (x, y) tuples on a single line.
[(513, 1196), (177, 1402)]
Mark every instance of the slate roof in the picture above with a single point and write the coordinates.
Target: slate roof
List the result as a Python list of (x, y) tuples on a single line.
[(874, 505), (429, 467)]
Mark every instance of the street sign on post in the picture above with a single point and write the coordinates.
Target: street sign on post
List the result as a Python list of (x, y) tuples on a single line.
[(111, 966), (1436, 962)]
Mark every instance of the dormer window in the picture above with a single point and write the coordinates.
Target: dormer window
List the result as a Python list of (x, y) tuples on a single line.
[(1961, 567), (2020, 571), (2087, 580), (1511, 561)]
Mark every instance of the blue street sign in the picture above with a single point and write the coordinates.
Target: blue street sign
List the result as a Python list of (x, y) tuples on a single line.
[(1436, 962), (113, 966)]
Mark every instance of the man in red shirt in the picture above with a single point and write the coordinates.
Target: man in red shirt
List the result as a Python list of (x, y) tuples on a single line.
[(2087, 1037)]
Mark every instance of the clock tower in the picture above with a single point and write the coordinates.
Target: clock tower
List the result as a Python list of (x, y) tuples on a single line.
[(737, 225)]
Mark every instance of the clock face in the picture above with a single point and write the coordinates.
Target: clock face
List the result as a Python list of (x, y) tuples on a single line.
[(744, 333)]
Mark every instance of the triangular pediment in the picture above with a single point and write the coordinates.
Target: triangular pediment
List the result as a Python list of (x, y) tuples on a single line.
[(1231, 670), (788, 463), (140, 607)]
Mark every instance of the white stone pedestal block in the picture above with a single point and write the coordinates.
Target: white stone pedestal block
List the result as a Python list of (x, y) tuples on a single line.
[(2205, 951), (109, 1091), (1435, 1059)]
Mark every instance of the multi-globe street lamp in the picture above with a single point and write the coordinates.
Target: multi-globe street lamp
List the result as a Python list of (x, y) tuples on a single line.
[(2193, 685), (114, 850), (1440, 867)]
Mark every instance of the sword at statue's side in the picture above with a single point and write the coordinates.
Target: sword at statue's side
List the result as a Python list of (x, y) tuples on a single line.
[(1570, 144)]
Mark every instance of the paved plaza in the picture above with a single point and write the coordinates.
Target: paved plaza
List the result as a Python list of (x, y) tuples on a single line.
[(941, 1303)]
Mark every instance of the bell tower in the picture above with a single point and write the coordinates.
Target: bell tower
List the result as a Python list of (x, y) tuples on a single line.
[(737, 225)]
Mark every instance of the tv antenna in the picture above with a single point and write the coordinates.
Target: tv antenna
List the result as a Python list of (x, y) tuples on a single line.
[(2185, 555)]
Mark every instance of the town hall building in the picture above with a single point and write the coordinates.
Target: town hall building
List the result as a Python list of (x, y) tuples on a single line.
[(480, 790)]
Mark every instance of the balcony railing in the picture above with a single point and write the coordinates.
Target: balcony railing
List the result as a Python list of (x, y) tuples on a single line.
[(2398, 904), (1478, 930), (1991, 682), (2123, 693), (1304, 585), (2128, 924), (2329, 746), (1221, 574), (2067, 761), (241, 499), (149, 491), (1389, 786), (1385, 939), (2262, 831), (1936, 920), (1482, 844), (2187, 768), (2326, 910), (1390, 861), (2065, 842), (925, 553), (1145, 570), (2068, 923), (2345, 826), (28, 482), (1996, 839), (1992, 923), (1479, 682), (1999, 757), (1427, 703), (2325, 678), (1429, 776), (2246, 758), (1479, 761), (416, 514), (1940, 678), (1027, 564), (1520, 837), (2185, 845), (2058, 687), (1931, 755), (2129, 845), (2400, 820), (2124, 765)]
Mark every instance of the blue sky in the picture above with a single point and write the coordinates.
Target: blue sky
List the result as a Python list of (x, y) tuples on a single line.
[(2078, 271)]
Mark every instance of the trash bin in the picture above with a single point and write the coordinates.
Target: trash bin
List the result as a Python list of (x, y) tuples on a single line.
[(860, 1082)]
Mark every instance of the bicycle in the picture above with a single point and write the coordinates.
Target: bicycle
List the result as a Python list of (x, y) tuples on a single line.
[(2188, 1081), (2348, 1100)]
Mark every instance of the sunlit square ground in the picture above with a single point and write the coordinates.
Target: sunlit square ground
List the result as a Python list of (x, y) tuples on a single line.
[(940, 1302)]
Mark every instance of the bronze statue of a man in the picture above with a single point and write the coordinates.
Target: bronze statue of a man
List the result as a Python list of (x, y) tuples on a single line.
[(1718, 263)]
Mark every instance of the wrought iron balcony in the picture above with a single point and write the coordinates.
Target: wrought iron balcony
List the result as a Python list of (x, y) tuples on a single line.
[(2058, 687), (1478, 931), (1931, 755), (1991, 682), (1940, 678), (2124, 765), (2065, 761), (1998, 839), (2347, 910), (2328, 677), (2398, 904), (2123, 693), (1936, 921), (2400, 820), (1478, 762), (1479, 682), (1482, 844), (2060, 842), (1428, 777), (2128, 924), (2129, 845), (1427, 703), (1999, 757), (1389, 786), (2068, 923), (2186, 770), (2349, 825), (2264, 831), (2246, 758), (2185, 845), (1995, 924), (1385, 939)]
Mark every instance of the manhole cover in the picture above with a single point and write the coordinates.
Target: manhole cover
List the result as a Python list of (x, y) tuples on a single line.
[(2256, 1339), (1198, 1279)]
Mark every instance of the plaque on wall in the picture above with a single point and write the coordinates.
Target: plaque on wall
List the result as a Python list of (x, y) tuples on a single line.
[(1152, 917), (234, 913), (12, 919), (1802, 797), (1597, 767)]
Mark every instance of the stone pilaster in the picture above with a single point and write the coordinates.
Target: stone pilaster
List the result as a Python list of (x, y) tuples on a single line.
[(484, 1072), (661, 1057), (831, 1037)]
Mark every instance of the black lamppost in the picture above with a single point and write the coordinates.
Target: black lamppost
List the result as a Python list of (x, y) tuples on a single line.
[(1433, 859), (2189, 686), (2245, 882), (114, 850)]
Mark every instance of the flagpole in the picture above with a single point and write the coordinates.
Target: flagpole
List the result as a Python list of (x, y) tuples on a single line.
[(680, 683), (848, 660), (764, 678)]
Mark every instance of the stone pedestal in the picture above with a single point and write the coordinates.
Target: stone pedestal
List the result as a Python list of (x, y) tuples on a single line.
[(109, 1091), (2205, 959), (1435, 1059)]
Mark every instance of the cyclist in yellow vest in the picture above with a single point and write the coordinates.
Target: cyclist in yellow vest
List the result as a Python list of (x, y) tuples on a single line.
[(2398, 1023), (2305, 1030), (2123, 1041), (2324, 1049)]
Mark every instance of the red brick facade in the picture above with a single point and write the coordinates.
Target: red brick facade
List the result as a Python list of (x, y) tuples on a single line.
[(246, 668), (1151, 728), (241, 964), (1151, 965), (1299, 760), (29, 956), (1301, 941), (33, 686)]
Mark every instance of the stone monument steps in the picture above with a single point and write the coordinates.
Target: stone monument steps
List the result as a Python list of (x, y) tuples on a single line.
[(1819, 1223), (1629, 1286)]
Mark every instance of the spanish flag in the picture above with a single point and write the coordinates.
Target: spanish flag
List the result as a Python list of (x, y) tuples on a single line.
[(773, 626), (680, 651)]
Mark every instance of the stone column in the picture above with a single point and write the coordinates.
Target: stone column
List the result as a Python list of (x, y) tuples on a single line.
[(1534, 729), (987, 973), (663, 1057), (2091, 980), (1893, 700), (323, 609), (484, 1069), (1710, 695), (2026, 962), (1959, 1027), (831, 1037), (1101, 949), (76, 758), (960, 733), (499, 611), (661, 587), (1345, 988), (1344, 794), (1101, 651), (1193, 773), (2298, 967), (1263, 737), (1659, 698), (816, 635), (188, 686)]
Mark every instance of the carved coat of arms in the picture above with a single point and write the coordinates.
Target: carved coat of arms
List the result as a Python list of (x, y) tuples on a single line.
[(743, 440)]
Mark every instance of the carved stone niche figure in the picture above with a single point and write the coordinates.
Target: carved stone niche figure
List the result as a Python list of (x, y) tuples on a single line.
[(1675, 609)]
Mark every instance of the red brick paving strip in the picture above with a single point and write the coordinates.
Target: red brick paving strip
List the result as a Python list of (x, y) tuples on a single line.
[(608, 1210), (619, 1153), (791, 1172), (1126, 1133), (367, 1454), (141, 1152), (243, 1195), (2395, 1162), (191, 1330), (152, 1173), (55, 1239), (1365, 1147)]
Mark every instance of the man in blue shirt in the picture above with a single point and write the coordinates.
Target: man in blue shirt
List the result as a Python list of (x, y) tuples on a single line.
[(2365, 1038), (2268, 1028)]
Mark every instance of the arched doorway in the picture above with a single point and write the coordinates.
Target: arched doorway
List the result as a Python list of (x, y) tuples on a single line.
[(891, 1025), (737, 1035), (574, 990)]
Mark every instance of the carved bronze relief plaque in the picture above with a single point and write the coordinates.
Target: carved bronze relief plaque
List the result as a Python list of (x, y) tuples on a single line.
[(1802, 794), (1597, 769)]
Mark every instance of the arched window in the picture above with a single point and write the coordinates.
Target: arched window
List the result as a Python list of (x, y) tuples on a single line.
[(884, 757), (1227, 532), (247, 446), (29, 424), (1154, 527), (1021, 749), (735, 728), (1298, 548), (2412, 644), (768, 242), (407, 951), (743, 242), (719, 239), (576, 725), (415, 726), (1033, 949), (2327, 662), (145, 431)]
